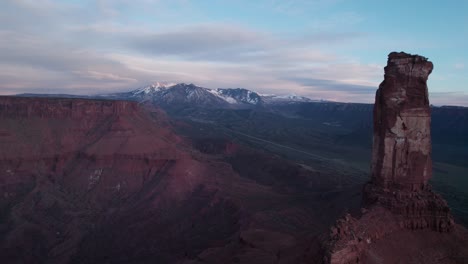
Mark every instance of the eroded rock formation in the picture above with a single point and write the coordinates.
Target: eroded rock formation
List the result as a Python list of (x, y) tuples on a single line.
[(64, 161), (23, 107), (401, 154), (402, 138), (399, 196), (97, 181)]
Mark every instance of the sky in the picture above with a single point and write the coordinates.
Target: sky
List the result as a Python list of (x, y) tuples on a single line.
[(323, 49)]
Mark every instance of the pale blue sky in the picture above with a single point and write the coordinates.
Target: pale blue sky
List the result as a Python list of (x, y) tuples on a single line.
[(324, 49)]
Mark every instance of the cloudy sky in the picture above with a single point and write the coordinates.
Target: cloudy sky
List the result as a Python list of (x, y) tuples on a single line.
[(324, 49)]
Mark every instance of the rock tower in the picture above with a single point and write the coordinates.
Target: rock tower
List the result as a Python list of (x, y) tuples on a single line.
[(398, 197), (401, 154)]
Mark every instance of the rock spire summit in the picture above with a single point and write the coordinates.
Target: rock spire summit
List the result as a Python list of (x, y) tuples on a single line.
[(401, 154), (399, 196)]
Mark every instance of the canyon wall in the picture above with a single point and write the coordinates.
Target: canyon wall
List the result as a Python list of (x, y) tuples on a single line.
[(23, 107)]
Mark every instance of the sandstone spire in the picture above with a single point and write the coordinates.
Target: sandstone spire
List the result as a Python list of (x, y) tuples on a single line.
[(401, 157), (399, 196)]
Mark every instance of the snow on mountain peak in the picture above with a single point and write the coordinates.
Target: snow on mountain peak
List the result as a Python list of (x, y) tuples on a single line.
[(162, 85), (234, 96), (237, 95), (293, 97), (158, 86)]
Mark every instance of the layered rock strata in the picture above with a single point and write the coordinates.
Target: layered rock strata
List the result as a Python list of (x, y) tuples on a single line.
[(402, 138), (398, 195), (23, 107), (62, 161)]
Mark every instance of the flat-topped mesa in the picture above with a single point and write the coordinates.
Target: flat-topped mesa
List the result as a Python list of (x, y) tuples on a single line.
[(63, 108), (401, 155)]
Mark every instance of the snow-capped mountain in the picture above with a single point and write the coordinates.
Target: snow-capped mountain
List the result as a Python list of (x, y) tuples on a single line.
[(187, 94), (239, 95), (291, 98), (193, 95), (155, 87)]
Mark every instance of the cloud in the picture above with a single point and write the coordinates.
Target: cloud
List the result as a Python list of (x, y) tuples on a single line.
[(331, 85), (199, 40), (236, 44), (449, 98), (63, 52), (104, 76), (26, 49), (97, 46), (459, 66), (336, 90)]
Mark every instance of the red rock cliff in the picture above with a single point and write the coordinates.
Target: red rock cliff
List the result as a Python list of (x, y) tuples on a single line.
[(91, 145), (398, 197), (401, 157), (61, 157), (23, 107)]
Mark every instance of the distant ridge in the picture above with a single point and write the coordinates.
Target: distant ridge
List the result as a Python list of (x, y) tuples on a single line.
[(167, 93)]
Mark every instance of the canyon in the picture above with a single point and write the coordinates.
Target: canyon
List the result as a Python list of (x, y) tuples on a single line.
[(188, 175), (86, 181)]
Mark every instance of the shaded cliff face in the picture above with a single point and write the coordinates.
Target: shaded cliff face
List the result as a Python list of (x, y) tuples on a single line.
[(95, 181), (82, 143), (399, 198), (69, 168), (401, 156), (18, 107)]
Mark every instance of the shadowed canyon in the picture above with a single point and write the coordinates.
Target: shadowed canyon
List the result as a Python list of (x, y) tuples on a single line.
[(185, 174)]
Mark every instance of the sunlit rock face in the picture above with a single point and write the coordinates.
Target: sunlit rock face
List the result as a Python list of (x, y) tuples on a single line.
[(401, 157)]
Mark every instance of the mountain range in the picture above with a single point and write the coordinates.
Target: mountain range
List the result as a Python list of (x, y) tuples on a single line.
[(170, 93), (261, 176), (279, 124), (190, 94)]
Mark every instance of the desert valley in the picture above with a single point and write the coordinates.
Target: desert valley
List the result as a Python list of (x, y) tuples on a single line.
[(219, 131), (185, 174)]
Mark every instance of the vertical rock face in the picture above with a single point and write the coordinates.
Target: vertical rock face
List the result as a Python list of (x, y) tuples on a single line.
[(399, 196), (76, 109), (401, 157)]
